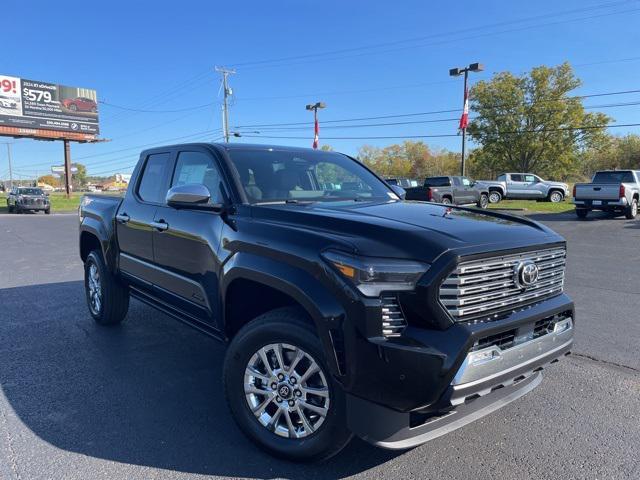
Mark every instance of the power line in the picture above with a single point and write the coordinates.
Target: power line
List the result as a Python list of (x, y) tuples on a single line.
[(425, 37), (515, 132), (317, 57), (432, 112), (131, 109)]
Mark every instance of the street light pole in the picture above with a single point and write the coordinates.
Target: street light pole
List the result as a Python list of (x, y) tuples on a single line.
[(455, 72), (316, 126)]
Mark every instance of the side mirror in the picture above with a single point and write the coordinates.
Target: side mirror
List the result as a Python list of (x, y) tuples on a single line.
[(191, 195), (398, 190)]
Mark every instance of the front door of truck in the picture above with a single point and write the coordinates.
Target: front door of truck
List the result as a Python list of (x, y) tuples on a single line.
[(533, 186), (134, 219), (186, 244)]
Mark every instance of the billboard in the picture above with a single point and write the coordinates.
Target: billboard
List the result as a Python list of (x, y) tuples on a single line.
[(29, 105)]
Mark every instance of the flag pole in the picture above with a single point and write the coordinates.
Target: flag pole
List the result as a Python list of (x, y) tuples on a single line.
[(465, 110)]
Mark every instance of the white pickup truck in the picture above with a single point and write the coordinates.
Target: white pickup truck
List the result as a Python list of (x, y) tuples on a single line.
[(613, 191)]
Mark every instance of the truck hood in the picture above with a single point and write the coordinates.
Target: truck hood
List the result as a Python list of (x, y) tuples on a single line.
[(416, 230)]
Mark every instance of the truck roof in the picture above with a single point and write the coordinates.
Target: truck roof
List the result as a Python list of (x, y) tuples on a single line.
[(236, 146)]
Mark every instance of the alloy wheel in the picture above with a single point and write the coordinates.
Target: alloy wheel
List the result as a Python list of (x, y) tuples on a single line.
[(556, 197), (286, 390), (494, 197), (95, 289)]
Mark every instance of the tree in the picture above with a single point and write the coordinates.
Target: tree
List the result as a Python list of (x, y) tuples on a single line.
[(529, 123), (408, 159), (49, 180), (81, 176)]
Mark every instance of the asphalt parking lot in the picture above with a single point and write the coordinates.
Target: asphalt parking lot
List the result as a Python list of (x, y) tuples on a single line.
[(144, 401)]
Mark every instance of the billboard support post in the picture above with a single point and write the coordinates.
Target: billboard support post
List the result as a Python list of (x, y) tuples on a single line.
[(10, 168), (67, 167)]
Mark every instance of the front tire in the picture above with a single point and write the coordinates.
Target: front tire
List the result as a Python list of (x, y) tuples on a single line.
[(107, 298), (556, 196), (631, 211), (47, 211), (484, 201), (495, 196), (280, 390)]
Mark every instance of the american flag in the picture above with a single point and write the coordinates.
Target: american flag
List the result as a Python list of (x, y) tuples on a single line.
[(316, 130), (464, 119)]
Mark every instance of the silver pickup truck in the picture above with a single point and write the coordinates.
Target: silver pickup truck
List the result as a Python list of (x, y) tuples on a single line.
[(524, 186), (613, 191)]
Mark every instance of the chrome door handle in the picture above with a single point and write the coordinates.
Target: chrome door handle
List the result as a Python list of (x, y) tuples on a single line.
[(162, 226), (123, 218)]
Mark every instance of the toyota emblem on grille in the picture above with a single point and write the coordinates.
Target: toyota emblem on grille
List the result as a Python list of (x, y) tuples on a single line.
[(526, 274)]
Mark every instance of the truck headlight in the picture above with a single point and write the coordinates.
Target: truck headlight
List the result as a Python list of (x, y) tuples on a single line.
[(372, 275)]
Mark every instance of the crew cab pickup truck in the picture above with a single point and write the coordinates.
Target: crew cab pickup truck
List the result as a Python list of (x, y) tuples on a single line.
[(450, 190), (346, 310), (613, 191), (524, 186)]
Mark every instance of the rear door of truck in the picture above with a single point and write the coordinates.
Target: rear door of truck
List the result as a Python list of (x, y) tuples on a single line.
[(135, 217)]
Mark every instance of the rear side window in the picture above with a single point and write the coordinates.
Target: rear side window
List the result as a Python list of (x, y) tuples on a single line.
[(516, 177), (152, 184), (437, 182), (623, 176), (198, 167)]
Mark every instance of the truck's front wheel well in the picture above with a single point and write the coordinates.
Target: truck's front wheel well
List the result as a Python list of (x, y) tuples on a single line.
[(247, 299), (88, 243)]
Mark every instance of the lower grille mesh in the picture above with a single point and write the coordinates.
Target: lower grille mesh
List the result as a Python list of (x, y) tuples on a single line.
[(393, 321)]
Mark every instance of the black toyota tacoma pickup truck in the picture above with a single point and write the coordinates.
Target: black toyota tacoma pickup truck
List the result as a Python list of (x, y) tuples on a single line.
[(346, 309), (454, 190)]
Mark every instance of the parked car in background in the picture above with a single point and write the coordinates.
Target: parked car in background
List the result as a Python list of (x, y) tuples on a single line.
[(80, 104), (453, 190), (346, 310), (524, 186), (22, 199), (613, 191), (403, 182)]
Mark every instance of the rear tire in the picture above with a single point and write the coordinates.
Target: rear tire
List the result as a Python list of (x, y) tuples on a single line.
[(306, 436), (495, 196), (582, 212), (484, 201), (631, 211), (446, 201), (107, 297)]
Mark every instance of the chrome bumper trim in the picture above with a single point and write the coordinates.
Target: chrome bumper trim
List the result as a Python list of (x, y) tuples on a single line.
[(492, 363)]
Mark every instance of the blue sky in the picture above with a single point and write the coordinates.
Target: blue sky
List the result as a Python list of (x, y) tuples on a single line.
[(159, 56)]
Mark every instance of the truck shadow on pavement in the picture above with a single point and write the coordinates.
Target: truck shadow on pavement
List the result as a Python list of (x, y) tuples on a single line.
[(145, 393)]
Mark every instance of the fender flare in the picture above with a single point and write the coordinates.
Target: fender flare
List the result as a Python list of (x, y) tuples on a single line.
[(98, 229), (318, 302)]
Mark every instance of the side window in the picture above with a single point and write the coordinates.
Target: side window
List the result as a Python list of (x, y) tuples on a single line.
[(502, 178), (198, 167), (466, 182), (529, 178), (457, 182), (152, 184), (516, 177)]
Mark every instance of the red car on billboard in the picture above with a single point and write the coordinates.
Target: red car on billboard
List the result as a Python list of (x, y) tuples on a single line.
[(80, 104)]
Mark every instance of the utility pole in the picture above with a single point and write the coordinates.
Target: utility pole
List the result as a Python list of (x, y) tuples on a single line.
[(225, 103), (464, 120), (67, 167), (10, 170)]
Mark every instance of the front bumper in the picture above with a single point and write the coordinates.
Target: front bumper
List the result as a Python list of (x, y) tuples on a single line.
[(486, 380)]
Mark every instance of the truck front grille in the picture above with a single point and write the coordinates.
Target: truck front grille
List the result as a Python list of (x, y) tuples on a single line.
[(393, 321), (490, 286)]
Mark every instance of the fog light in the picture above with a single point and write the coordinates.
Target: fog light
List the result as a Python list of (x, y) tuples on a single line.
[(484, 356), (562, 326)]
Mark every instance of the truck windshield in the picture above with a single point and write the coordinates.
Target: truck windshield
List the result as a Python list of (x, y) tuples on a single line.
[(290, 176), (614, 177), (29, 191)]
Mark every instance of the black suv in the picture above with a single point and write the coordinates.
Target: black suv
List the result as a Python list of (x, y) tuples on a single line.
[(347, 310)]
